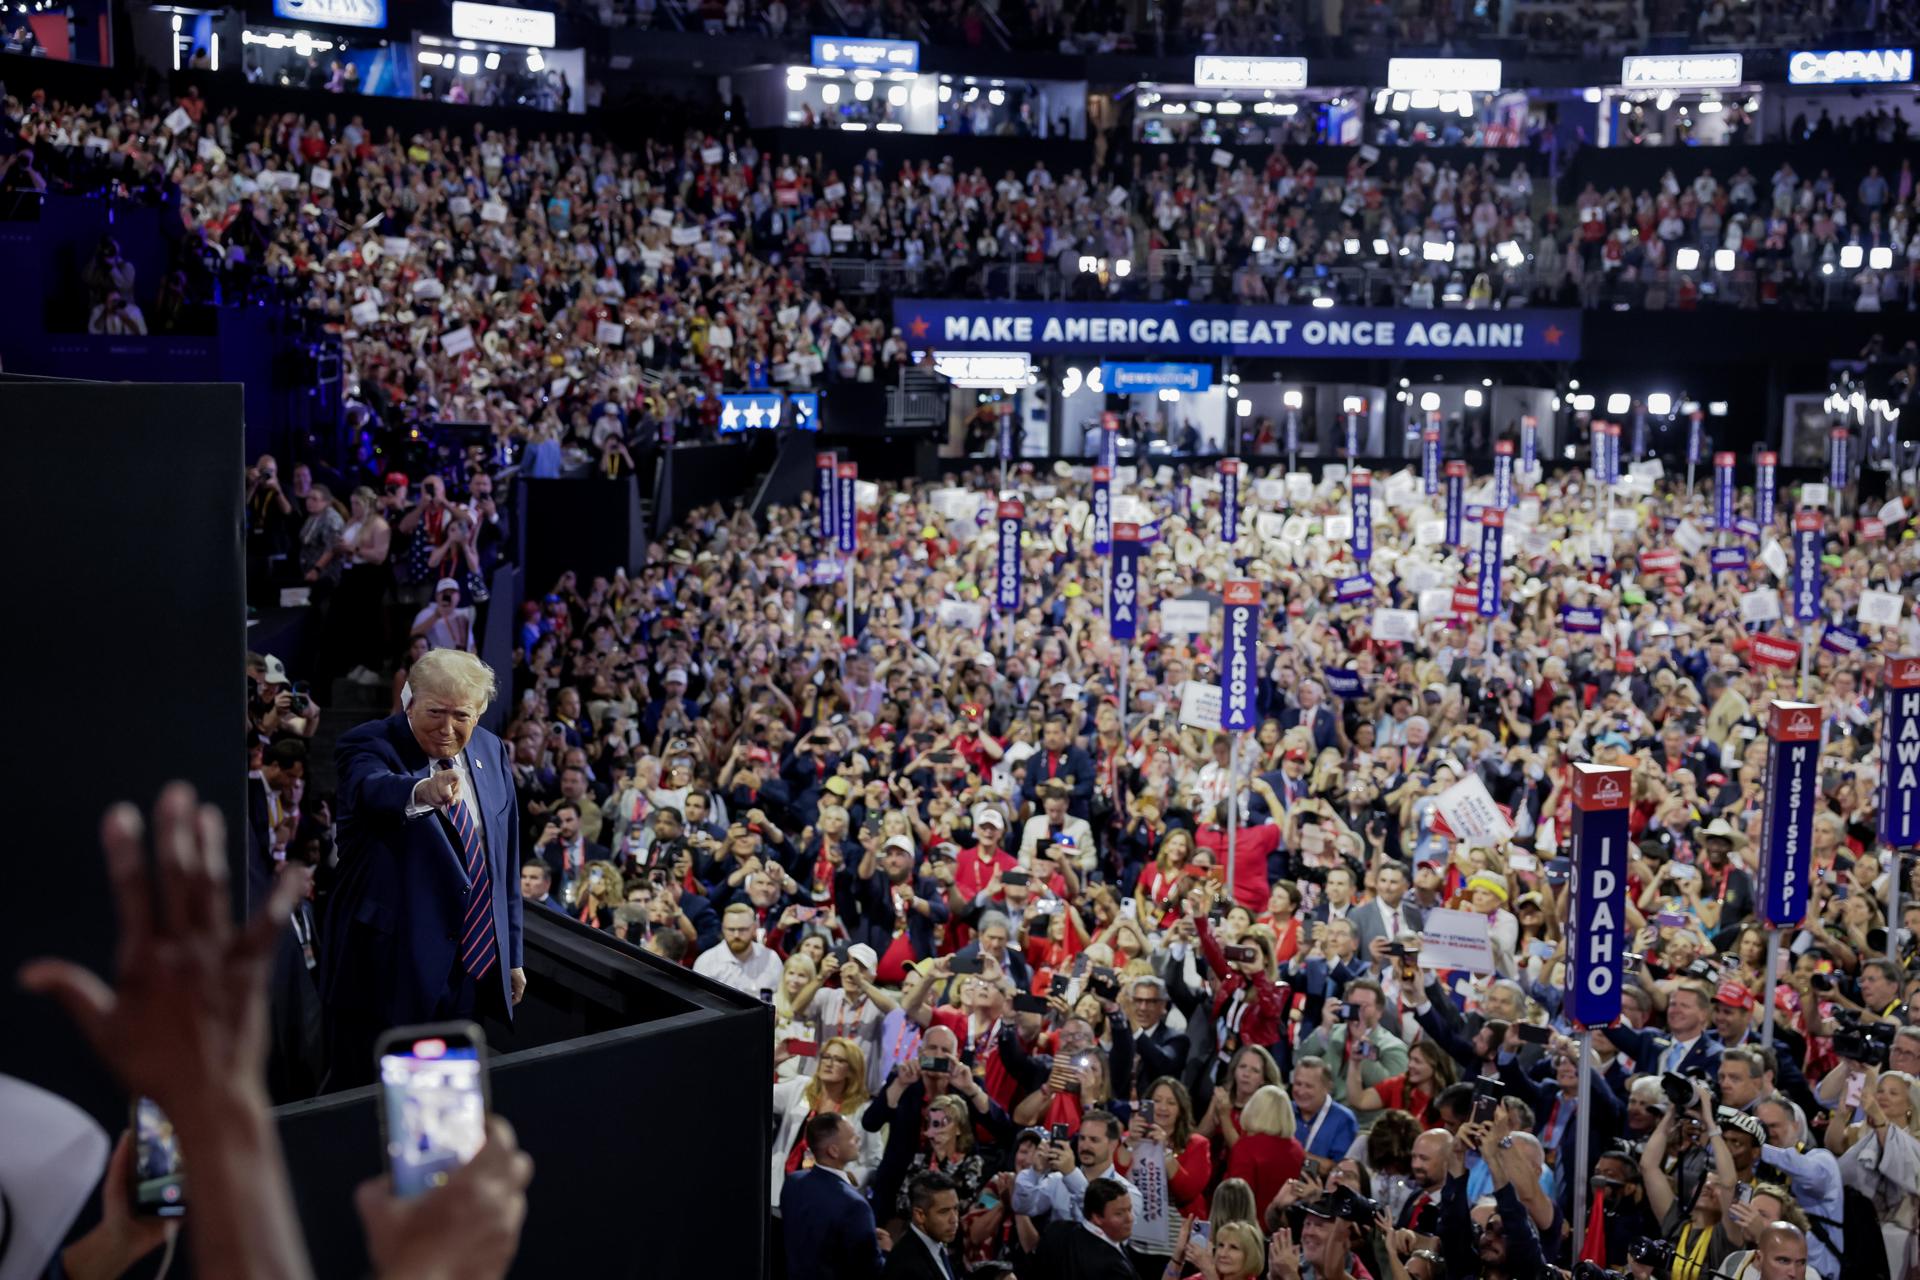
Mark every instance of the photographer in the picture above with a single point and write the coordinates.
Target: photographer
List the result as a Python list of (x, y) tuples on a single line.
[(1815, 1175), (1880, 1157), (1694, 1239), (1502, 1245)]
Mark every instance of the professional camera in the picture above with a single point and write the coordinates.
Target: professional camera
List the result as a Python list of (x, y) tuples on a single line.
[(1679, 1090), (1864, 1042), (1590, 1270), (1650, 1251), (1345, 1203)]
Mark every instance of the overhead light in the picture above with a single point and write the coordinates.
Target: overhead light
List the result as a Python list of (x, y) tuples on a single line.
[(428, 58), (1203, 108), (1228, 108), (863, 90), (1088, 264), (1880, 259), (1437, 250), (1292, 398), (946, 93), (1619, 402), (1473, 397), (897, 96), (535, 62), (1486, 382), (493, 61), (1171, 395), (996, 97), (1259, 244), (1070, 381), (1354, 404), (1246, 409), (1723, 259), (1582, 403), (1573, 384), (1350, 245), (1430, 401), (1851, 256), (1659, 404), (1687, 259), (469, 65), (1381, 247), (829, 93), (1123, 267), (1323, 301), (796, 81)]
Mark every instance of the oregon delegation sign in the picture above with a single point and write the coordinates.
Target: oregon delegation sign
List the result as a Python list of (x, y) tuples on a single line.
[(1171, 328)]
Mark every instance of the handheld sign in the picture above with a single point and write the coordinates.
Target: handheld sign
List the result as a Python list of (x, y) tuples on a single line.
[(1529, 442), (1809, 528), (1102, 511), (1239, 665), (1764, 488), (1723, 492), (1596, 919), (1006, 432), (1837, 441), (1123, 622), (1430, 461), (1109, 440), (1793, 797), (1586, 620), (1229, 500), (1011, 513), (843, 511), (824, 466), (1456, 500), (1900, 756), (1492, 523), (1503, 474), (1362, 516)]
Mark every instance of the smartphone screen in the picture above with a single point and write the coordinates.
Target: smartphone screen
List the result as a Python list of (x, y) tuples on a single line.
[(1856, 1086), (1483, 1108), (433, 1097), (159, 1178)]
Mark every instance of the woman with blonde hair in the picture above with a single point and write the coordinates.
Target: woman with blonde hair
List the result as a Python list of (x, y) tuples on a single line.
[(1233, 1202), (1237, 1252), (837, 1085), (1883, 1160), (794, 978), (596, 893), (1267, 1156)]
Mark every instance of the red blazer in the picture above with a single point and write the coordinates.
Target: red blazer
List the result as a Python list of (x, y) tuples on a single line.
[(1267, 1162), (1263, 1024)]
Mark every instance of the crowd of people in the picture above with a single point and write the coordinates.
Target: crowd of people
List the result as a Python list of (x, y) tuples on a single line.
[(1012, 977)]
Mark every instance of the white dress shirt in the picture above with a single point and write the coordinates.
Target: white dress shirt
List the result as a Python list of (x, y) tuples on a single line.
[(752, 973)]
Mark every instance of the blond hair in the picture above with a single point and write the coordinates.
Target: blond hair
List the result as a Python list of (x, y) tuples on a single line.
[(1269, 1110), (1247, 1236), (454, 674)]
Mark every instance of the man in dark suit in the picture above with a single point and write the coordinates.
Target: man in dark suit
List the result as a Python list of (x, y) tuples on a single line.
[(1157, 1048), (270, 803), (424, 922), (1095, 1249), (1689, 1045), (882, 895), (925, 1252), (1058, 759), (827, 1225), (1314, 713), (566, 848)]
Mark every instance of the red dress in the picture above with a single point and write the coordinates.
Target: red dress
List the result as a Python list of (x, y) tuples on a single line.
[(1267, 1162)]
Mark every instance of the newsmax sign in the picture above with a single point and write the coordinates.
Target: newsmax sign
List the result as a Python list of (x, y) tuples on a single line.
[(1066, 328)]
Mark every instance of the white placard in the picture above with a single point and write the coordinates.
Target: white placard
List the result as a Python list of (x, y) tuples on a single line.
[(1187, 618), (1436, 601), (395, 246), (1222, 158), (1774, 558), (833, 192), (1117, 197), (493, 211), (840, 233), (1622, 521), (458, 341), (459, 206), (1689, 538), (1762, 604), (1881, 608), (787, 317), (1200, 705), (1651, 469), (840, 327), (1338, 528), (1894, 512), (609, 334), (365, 313), (684, 236), (429, 289), (1270, 524), (321, 179), (1429, 533), (712, 155), (1333, 473), (1472, 814), (661, 217), (1417, 576), (1456, 940), (178, 121), (1813, 495), (964, 614), (558, 387), (1270, 490), (720, 336), (1396, 624), (1299, 486)]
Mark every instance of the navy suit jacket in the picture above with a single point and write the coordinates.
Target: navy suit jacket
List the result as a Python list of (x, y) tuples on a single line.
[(393, 923), (828, 1228), (1648, 1047), (1319, 722), (1074, 762)]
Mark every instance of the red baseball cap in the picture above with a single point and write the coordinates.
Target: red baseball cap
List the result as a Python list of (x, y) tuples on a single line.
[(1732, 993)]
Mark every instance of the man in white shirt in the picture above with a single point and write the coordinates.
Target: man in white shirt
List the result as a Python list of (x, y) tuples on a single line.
[(1062, 1189), (740, 962), (1052, 821)]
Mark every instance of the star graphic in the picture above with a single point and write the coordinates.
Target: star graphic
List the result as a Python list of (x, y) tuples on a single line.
[(729, 419), (1553, 334), (753, 414), (919, 327)]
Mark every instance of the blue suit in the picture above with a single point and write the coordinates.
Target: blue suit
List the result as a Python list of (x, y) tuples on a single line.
[(393, 921), (828, 1228)]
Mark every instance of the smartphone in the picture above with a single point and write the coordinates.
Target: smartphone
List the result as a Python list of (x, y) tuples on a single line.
[(966, 964), (939, 1066), (1060, 1132), (1484, 1105), (1024, 1003), (1523, 862), (1016, 877), (1202, 1233), (1347, 1013), (1540, 948), (803, 1048), (433, 1101), (1531, 1034), (1058, 984), (1240, 955), (1670, 920), (1743, 1194), (802, 915), (1856, 1086), (1365, 1049), (159, 1186)]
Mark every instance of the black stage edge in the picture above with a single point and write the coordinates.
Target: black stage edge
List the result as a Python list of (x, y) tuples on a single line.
[(121, 514), (639, 1089)]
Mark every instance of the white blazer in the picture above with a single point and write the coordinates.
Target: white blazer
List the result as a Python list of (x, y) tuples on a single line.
[(790, 1111)]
